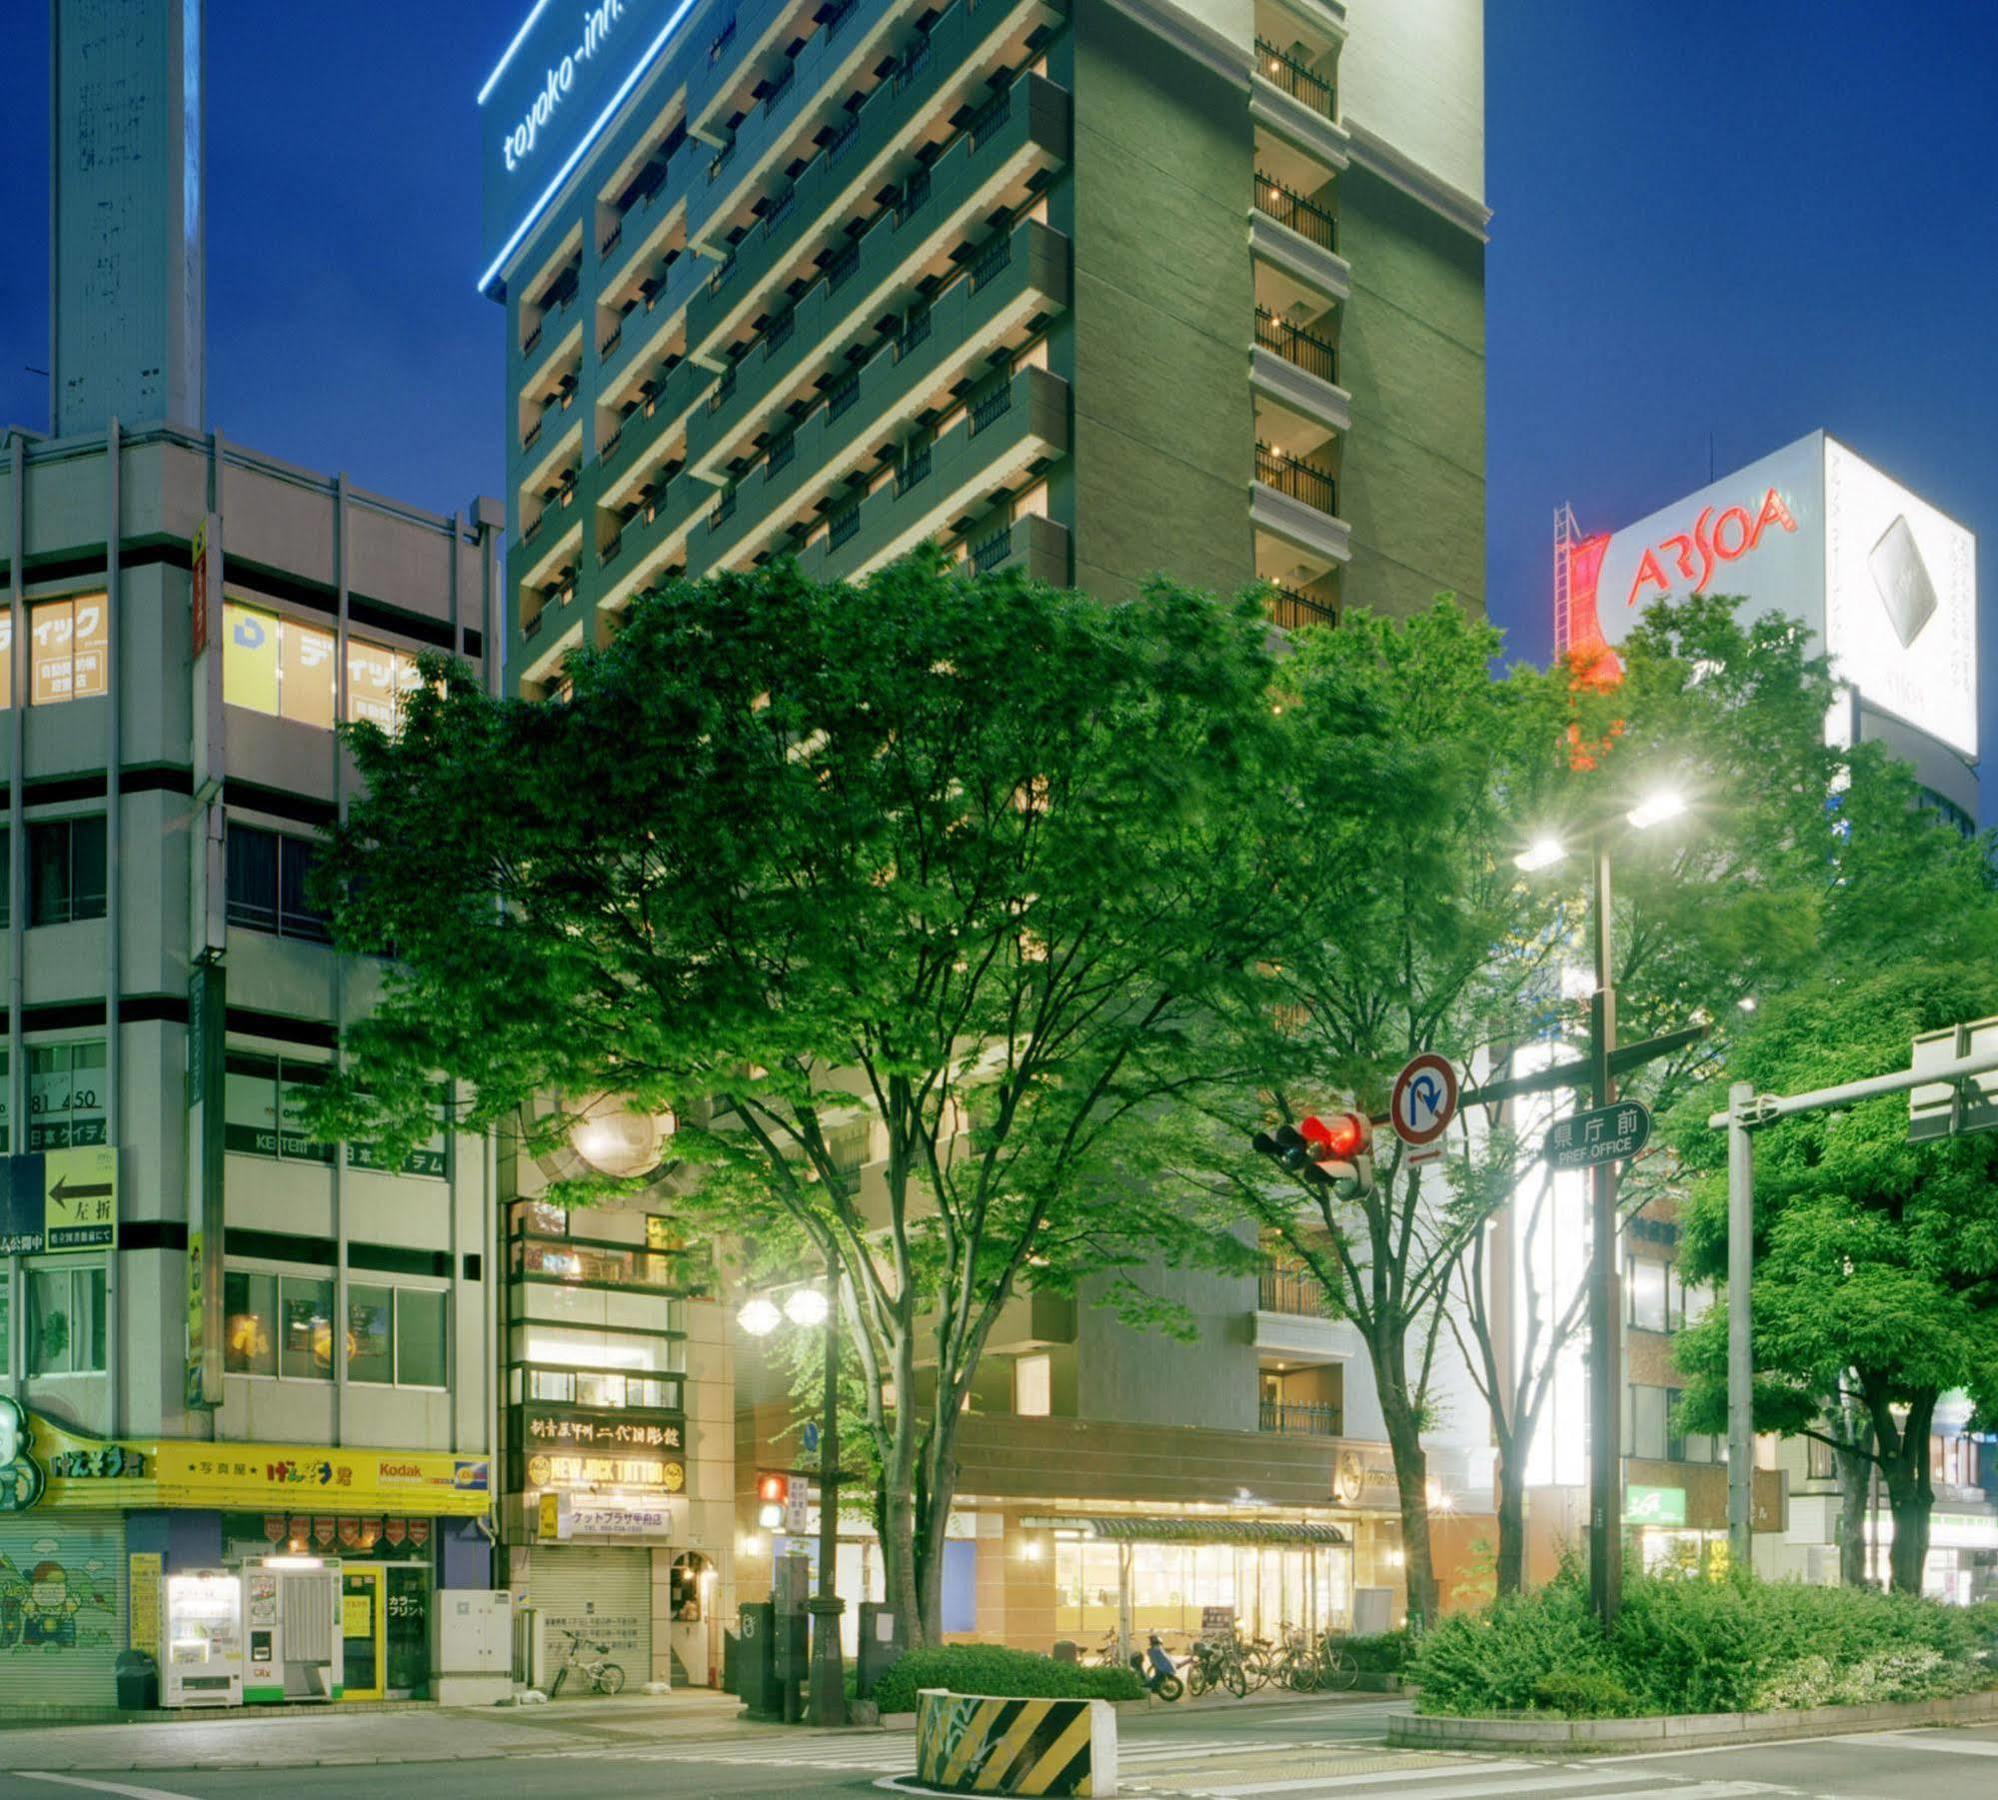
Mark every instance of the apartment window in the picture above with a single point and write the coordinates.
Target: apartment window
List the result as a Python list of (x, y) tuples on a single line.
[(263, 1106), (1820, 1461), (67, 642), (66, 1091), (1647, 1423), (270, 884), (66, 1320), (305, 1315), (1033, 1387), (66, 871)]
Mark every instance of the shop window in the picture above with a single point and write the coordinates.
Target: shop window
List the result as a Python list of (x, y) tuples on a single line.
[(249, 1320), (66, 1089), (1033, 1386), (283, 667), (270, 884), (66, 871), (67, 641), (66, 1321), (305, 1307), (263, 1103)]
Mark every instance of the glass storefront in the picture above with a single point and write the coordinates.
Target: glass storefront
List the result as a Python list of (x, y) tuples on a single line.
[(1308, 1586)]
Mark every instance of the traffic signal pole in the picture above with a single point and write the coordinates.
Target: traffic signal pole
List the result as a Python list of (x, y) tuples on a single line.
[(1605, 1325), (828, 1676)]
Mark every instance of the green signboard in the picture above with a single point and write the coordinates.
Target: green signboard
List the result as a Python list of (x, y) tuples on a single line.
[(1654, 1505)]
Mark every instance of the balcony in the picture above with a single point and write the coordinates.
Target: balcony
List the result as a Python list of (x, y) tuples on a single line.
[(1295, 242), (1292, 1419), (842, 176), (1309, 352), (1024, 425), (1295, 376), (1035, 545), (1299, 479), (843, 307), (1284, 1287), (1296, 503), (1293, 211), (1283, 70)]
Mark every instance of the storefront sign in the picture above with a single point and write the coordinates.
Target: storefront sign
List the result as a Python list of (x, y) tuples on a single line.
[(602, 1519), (606, 1471), (102, 1475), (22, 1479), (1217, 1621), (59, 1200), (602, 1430), (147, 1567), (1655, 1505)]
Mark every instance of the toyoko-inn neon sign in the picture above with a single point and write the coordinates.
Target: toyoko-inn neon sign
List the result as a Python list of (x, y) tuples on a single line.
[(1723, 539), (599, 22)]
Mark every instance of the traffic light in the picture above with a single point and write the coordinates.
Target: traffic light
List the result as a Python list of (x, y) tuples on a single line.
[(1335, 1151), (771, 1493)]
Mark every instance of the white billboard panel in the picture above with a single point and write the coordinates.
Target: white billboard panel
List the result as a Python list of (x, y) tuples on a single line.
[(1900, 601)]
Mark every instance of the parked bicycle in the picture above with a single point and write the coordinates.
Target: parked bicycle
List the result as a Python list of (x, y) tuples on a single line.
[(1217, 1662), (591, 1661), (1308, 1666)]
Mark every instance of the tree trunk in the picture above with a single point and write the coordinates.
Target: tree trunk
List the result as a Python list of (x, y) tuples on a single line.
[(1855, 1476), (1411, 1480), (1912, 1501), (1511, 1570)]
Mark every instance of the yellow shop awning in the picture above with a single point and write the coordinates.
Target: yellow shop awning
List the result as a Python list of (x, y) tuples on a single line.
[(102, 1475)]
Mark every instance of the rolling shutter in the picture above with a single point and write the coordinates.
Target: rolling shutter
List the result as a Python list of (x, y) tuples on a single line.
[(64, 1607), (604, 1594)]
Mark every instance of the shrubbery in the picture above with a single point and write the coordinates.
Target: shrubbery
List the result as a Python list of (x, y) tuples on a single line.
[(1687, 1645), (1385, 1654), (992, 1669)]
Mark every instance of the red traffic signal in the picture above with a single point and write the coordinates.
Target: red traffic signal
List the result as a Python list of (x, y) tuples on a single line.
[(1339, 1138), (771, 1490)]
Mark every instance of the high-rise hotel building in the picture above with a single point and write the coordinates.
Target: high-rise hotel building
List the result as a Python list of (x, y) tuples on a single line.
[(1093, 288), (219, 1339)]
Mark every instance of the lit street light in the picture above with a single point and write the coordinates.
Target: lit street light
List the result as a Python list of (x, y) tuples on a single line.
[(1605, 1342), (810, 1308)]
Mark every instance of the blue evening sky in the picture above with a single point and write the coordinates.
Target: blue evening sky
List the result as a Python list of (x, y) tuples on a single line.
[(1717, 225)]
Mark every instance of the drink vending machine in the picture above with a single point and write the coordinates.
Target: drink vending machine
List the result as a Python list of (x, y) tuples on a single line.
[(201, 1633)]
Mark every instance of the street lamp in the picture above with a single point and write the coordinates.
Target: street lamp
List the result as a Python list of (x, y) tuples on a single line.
[(810, 1308), (1605, 1328)]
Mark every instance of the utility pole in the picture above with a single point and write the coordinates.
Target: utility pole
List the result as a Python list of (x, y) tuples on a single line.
[(828, 1675), (1605, 1324), (1740, 1358)]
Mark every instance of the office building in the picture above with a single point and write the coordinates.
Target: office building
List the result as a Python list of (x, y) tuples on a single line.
[(219, 1339)]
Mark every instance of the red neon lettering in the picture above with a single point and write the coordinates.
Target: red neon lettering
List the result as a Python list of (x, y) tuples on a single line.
[(1738, 516), (1649, 571), (1684, 558), (1774, 512)]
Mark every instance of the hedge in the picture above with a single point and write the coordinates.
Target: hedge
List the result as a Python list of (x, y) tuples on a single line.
[(993, 1669), (1684, 1644)]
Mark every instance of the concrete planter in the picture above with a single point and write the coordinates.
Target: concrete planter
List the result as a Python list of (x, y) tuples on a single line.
[(1531, 1731)]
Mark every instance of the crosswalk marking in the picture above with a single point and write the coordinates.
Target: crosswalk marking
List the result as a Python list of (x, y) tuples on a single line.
[(1907, 1740), (1484, 1781)]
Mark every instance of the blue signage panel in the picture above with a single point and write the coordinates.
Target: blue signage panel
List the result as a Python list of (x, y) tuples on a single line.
[(554, 92)]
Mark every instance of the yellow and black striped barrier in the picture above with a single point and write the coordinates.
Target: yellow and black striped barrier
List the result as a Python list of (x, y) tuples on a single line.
[(979, 1744)]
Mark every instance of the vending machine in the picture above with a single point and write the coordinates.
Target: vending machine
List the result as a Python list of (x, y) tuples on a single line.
[(201, 1633), (291, 1620)]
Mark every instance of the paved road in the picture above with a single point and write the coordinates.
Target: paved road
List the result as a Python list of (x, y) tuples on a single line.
[(1308, 1750)]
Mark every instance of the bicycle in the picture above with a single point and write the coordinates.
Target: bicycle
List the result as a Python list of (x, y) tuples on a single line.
[(1217, 1663), (1338, 1669), (603, 1675)]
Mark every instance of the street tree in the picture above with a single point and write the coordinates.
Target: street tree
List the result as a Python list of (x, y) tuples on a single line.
[(1875, 1291), (907, 899)]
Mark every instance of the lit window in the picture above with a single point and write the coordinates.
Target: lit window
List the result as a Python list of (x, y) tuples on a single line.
[(306, 1309), (67, 642), (249, 1316), (1033, 1387)]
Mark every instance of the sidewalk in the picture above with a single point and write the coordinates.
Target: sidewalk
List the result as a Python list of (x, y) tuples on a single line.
[(331, 1737)]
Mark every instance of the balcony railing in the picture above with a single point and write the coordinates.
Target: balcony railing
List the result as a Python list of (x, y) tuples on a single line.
[(914, 467), (1309, 352), (1294, 78), (991, 258), (1299, 479), (1293, 611), (993, 406), (988, 553), (1288, 207), (1301, 1419), (1291, 1288)]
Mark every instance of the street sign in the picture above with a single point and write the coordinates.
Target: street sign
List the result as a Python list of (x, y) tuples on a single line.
[(1605, 1134), (59, 1200), (809, 1436), (1423, 1103), (1945, 1109), (797, 1507)]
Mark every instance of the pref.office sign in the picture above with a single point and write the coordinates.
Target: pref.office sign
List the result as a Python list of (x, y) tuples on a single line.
[(553, 93)]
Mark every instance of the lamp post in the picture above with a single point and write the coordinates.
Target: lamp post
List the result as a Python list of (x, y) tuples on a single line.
[(809, 1309), (1605, 1327)]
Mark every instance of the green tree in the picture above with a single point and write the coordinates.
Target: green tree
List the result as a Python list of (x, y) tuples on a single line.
[(1876, 1281), (954, 867)]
